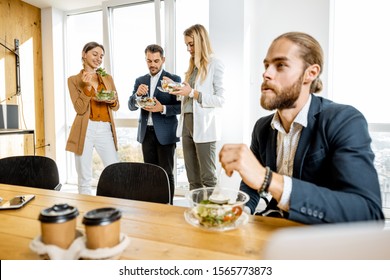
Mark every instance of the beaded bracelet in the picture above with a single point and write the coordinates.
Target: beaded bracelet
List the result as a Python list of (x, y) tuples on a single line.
[(267, 181)]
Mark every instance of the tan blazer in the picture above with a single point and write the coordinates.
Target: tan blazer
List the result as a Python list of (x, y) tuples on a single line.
[(82, 106)]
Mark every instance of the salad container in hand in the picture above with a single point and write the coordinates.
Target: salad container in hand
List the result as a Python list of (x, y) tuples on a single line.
[(168, 86), (106, 95)]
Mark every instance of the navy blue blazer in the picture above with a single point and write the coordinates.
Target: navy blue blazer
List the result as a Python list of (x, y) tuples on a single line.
[(334, 179), (164, 124)]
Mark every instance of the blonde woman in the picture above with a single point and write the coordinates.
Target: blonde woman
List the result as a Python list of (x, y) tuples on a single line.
[(202, 95), (93, 126)]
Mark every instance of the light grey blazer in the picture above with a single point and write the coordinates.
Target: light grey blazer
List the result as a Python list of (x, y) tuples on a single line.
[(207, 123)]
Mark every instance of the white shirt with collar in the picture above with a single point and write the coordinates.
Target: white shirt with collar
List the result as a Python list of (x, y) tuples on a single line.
[(286, 147), (153, 83)]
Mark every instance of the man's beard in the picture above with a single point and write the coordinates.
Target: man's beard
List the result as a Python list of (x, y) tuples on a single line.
[(284, 98), (153, 71)]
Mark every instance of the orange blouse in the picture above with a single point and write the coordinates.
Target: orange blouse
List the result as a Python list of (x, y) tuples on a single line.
[(99, 110)]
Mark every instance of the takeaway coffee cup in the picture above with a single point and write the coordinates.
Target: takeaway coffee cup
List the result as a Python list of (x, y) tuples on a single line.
[(102, 227), (58, 225)]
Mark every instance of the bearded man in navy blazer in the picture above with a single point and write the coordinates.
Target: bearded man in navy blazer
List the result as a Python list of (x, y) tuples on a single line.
[(312, 157), (157, 124)]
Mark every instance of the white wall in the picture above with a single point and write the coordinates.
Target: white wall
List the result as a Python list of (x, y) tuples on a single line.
[(241, 32), (228, 40), (269, 19), (226, 26), (53, 86)]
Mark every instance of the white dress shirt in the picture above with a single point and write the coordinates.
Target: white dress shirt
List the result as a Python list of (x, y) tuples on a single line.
[(153, 83), (286, 147)]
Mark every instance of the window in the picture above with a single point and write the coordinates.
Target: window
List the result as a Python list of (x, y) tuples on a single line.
[(131, 27), (76, 39), (360, 72), (199, 14)]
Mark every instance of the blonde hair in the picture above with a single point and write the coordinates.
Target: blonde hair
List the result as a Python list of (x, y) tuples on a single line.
[(202, 53)]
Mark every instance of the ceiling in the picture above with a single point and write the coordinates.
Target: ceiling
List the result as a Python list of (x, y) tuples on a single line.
[(66, 5)]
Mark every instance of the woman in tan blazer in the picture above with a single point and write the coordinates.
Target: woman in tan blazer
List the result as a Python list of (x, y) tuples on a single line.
[(93, 126)]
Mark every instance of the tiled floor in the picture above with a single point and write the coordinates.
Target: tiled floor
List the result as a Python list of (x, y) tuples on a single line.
[(177, 200)]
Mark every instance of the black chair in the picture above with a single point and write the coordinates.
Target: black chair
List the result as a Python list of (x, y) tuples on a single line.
[(30, 171), (135, 180)]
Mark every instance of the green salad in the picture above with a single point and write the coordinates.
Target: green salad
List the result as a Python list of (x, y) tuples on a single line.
[(101, 71), (105, 95), (211, 214)]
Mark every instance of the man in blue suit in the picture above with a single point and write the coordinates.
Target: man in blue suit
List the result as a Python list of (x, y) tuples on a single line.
[(312, 156), (157, 124)]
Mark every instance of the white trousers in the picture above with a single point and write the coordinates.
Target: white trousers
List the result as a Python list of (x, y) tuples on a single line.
[(99, 136)]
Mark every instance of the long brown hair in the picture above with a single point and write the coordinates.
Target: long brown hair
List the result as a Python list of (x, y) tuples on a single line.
[(203, 51), (311, 53)]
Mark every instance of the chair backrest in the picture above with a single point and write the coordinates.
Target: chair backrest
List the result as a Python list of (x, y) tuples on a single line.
[(135, 180), (349, 241), (30, 171)]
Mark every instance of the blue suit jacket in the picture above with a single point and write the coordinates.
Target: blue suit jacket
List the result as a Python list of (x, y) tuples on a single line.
[(334, 179), (164, 125)]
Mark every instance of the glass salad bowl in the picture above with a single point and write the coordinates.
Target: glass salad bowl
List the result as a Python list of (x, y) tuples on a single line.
[(216, 209), (145, 101), (167, 86), (105, 95)]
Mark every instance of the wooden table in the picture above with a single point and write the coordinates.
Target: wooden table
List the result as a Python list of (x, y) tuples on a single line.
[(156, 231)]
